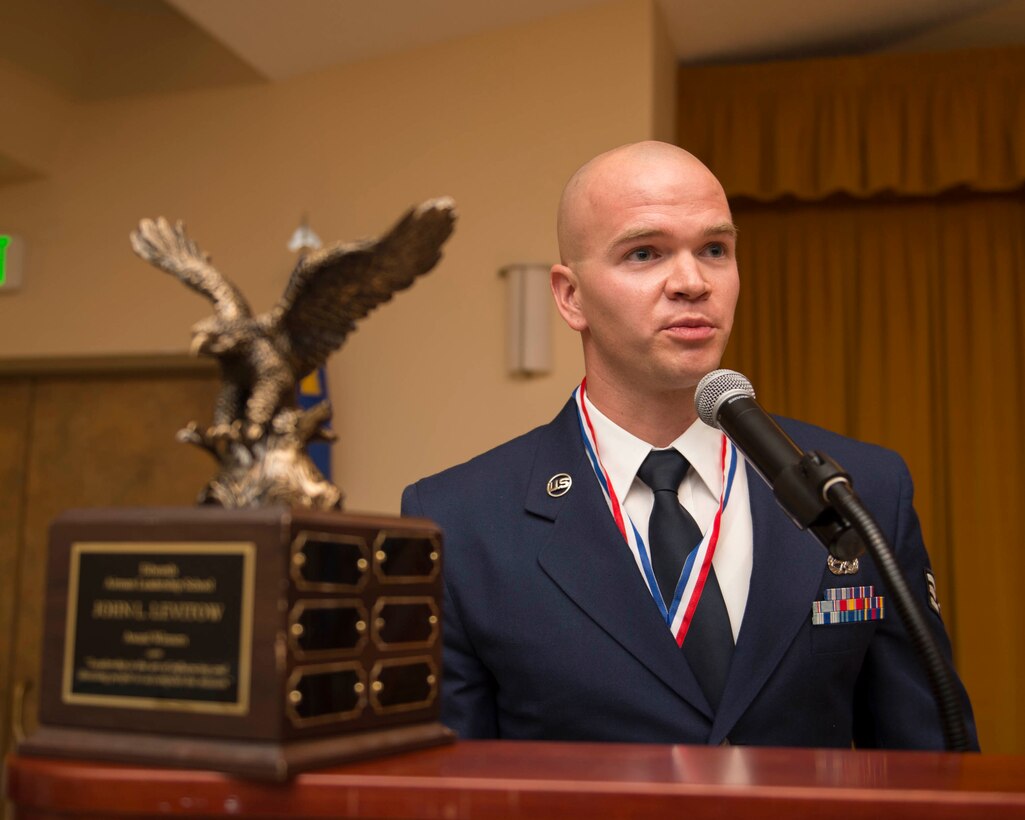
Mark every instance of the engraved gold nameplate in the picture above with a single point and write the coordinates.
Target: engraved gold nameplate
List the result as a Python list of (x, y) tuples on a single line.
[(257, 642), (159, 626)]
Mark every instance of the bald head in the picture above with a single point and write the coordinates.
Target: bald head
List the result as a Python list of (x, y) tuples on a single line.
[(649, 280), (600, 183)]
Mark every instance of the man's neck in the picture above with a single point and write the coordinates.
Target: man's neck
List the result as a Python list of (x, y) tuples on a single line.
[(658, 419)]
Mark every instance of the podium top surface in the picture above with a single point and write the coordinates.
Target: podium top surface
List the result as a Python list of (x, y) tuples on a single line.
[(505, 779)]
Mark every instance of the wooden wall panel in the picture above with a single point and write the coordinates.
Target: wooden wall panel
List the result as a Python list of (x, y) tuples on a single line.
[(97, 439), (15, 409)]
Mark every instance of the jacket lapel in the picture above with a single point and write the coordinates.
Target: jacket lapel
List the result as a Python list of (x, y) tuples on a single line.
[(587, 558), (785, 576)]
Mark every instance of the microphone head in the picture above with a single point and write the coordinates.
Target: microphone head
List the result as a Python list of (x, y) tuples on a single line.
[(714, 388)]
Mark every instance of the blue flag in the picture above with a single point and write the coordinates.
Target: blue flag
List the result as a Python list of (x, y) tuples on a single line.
[(312, 390)]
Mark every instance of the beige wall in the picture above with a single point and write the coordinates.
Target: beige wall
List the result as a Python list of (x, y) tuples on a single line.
[(36, 122), (664, 73), (497, 121)]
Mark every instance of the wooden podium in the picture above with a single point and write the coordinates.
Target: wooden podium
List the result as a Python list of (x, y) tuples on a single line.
[(509, 779)]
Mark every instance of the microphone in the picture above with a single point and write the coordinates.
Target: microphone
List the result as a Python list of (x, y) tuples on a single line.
[(800, 481)]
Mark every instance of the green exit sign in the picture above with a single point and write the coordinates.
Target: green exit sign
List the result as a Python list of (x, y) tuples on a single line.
[(12, 256)]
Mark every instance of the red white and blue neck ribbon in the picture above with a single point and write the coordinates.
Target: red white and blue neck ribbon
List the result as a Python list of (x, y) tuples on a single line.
[(680, 611)]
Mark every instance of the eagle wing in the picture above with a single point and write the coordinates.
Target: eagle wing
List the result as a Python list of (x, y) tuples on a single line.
[(331, 289), (171, 250)]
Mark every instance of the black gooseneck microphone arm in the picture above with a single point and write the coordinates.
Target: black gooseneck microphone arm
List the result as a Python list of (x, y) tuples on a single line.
[(817, 495), (941, 681)]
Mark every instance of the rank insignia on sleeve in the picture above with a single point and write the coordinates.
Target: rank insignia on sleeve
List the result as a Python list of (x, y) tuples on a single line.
[(845, 605), (934, 601)]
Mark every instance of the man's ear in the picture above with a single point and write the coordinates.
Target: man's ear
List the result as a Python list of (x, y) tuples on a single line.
[(567, 297)]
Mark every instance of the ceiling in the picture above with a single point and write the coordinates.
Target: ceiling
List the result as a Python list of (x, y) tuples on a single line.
[(96, 49)]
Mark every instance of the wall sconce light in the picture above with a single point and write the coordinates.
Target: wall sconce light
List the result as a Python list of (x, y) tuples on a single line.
[(528, 319)]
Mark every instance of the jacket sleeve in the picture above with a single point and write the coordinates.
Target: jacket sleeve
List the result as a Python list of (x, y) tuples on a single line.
[(468, 691), (893, 702)]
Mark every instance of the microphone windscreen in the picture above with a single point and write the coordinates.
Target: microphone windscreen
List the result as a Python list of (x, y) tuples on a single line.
[(714, 388)]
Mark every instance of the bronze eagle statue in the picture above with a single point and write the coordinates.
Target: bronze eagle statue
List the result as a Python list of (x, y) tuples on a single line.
[(263, 357)]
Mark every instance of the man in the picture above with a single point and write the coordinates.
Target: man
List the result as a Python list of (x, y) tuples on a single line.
[(583, 602)]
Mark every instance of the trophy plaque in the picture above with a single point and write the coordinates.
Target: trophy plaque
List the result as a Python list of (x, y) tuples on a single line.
[(264, 631), (258, 642)]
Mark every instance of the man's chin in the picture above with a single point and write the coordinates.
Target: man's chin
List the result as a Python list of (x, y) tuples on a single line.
[(688, 377)]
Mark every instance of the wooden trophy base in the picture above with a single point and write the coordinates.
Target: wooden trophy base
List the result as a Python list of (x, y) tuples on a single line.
[(259, 643)]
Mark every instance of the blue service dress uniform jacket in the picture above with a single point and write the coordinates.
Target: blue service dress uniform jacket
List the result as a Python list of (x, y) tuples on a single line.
[(551, 633)]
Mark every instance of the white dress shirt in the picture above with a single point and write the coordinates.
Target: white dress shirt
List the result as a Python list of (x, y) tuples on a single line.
[(621, 454)]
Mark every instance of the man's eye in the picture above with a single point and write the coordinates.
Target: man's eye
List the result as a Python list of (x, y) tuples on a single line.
[(716, 250), (641, 255)]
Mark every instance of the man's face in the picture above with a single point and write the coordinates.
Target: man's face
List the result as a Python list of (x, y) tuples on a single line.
[(650, 277)]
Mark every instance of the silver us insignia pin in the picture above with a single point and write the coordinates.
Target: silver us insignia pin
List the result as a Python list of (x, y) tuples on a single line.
[(559, 484), (838, 567)]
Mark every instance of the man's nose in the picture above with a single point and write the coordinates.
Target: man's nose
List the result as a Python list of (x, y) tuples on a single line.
[(686, 280)]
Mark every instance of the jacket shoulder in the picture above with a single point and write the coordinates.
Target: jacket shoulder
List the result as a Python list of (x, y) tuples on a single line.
[(512, 461), (811, 437), (879, 475), (503, 457)]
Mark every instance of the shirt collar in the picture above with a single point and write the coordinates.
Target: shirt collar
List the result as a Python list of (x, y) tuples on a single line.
[(621, 452)]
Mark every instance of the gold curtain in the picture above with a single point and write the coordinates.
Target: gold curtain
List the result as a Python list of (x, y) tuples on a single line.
[(912, 124), (895, 318)]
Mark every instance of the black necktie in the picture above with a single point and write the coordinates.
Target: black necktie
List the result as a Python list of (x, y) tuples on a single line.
[(672, 535)]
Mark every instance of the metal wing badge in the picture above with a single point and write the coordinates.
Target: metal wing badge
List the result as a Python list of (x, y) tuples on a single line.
[(259, 435)]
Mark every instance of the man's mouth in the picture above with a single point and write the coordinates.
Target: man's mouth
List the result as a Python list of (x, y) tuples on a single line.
[(690, 329)]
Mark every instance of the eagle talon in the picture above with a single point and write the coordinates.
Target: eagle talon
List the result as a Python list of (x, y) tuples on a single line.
[(253, 432), (222, 433), (325, 434), (190, 434)]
